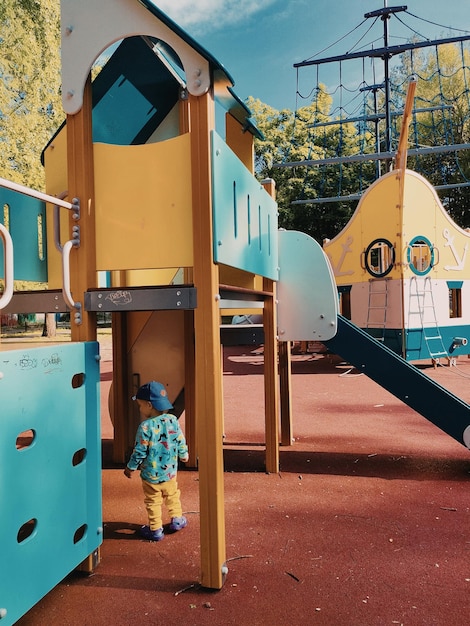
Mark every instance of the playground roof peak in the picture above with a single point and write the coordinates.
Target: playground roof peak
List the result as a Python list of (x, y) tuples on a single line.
[(89, 28)]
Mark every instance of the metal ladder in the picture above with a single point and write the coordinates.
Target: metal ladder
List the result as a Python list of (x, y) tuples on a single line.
[(377, 306), (422, 305)]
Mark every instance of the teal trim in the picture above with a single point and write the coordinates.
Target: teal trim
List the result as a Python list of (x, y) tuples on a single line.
[(244, 215), (410, 260), (455, 284), (50, 488), (403, 380), (417, 348), (27, 222)]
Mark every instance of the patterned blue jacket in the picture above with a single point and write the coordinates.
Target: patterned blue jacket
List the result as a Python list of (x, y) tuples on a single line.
[(159, 442)]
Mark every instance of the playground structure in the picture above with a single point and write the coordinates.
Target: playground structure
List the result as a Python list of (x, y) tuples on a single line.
[(164, 210), (400, 265), (147, 195)]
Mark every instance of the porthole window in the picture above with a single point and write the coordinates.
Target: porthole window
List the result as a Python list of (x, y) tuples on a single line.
[(420, 255), (380, 257)]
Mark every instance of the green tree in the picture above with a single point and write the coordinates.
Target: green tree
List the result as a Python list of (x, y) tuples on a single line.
[(296, 137), (30, 107), (443, 88)]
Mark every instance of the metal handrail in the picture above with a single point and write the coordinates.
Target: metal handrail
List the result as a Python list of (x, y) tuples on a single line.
[(66, 290), (8, 184), (56, 221), (8, 265)]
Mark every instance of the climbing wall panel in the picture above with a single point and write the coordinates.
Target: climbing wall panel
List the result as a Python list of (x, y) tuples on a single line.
[(50, 469)]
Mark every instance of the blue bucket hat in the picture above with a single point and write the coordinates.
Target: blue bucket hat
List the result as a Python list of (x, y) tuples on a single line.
[(156, 394)]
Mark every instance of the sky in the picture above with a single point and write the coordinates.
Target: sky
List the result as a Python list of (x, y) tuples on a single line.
[(258, 41)]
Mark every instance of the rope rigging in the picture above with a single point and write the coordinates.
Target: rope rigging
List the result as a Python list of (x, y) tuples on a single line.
[(352, 142)]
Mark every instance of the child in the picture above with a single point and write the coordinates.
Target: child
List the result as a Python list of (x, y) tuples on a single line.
[(159, 442)]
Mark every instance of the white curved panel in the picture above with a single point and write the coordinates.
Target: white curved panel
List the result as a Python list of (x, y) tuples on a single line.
[(307, 295), (89, 27)]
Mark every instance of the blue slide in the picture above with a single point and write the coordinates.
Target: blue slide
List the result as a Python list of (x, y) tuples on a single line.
[(402, 379)]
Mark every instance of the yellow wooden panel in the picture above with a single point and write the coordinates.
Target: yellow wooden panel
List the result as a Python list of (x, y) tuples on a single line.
[(240, 141), (143, 205), (55, 166), (140, 278), (425, 216)]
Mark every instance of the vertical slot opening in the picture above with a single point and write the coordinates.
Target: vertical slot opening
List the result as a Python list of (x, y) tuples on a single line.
[(249, 219), (235, 210)]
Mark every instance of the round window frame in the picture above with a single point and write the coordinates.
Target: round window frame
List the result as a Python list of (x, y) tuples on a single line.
[(390, 246), (415, 270)]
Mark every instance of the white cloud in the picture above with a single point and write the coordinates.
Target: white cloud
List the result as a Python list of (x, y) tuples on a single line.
[(201, 16)]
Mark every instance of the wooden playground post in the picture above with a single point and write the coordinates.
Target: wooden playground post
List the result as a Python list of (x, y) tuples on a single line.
[(271, 384), (189, 358), (208, 374), (80, 174), (285, 384)]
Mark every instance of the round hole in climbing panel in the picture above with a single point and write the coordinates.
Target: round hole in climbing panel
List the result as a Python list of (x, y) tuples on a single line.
[(78, 380), (27, 530), (25, 439), (79, 457)]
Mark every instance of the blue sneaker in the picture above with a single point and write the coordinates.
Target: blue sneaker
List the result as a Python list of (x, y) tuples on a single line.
[(178, 523), (152, 535)]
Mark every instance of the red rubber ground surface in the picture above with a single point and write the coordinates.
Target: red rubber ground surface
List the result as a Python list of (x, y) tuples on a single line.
[(367, 523)]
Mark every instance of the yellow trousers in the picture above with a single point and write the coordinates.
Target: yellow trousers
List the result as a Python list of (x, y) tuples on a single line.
[(155, 494)]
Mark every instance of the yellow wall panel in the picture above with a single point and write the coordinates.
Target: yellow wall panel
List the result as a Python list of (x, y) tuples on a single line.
[(139, 278), (425, 216), (55, 164), (377, 216), (143, 205)]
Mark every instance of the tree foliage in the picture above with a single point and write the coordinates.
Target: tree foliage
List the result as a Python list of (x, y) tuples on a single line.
[(443, 88), (30, 108), (288, 139)]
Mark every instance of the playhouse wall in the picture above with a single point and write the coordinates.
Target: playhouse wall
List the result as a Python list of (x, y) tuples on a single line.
[(375, 217), (143, 205), (424, 215)]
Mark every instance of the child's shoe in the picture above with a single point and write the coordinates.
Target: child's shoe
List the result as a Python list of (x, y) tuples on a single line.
[(178, 523), (152, 535)]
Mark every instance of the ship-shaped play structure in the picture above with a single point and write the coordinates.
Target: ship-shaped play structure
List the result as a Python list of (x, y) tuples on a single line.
[(401, 265)]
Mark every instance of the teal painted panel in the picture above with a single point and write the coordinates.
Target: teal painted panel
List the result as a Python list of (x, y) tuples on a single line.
[(392, 338), (50, 486), (307, 297), (26, 217), (245, 215), (417, 348)]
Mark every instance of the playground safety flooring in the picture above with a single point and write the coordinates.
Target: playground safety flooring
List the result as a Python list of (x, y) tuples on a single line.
[(366, 524)]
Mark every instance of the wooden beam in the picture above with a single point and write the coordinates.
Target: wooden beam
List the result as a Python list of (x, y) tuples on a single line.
[(81, 185), (271, 381), (285, 383), (208, 374)]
